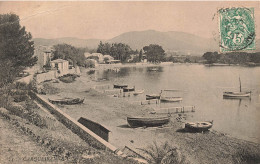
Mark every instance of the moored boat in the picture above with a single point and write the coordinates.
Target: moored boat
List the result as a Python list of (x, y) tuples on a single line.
[(66, 101), (152, 96), (199, 126), (147, 121), (120, 85), (128, 89), (138, 92), (170, 99), (237, 94)]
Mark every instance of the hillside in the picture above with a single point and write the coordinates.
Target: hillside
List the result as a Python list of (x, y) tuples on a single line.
[(170, 41), (181, 42), (90, 43)]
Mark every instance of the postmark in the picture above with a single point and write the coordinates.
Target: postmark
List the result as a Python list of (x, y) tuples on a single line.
[(237, 29)]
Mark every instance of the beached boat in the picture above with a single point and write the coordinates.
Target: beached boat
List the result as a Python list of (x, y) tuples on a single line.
[(128, 89), (237, 94), (138, 92), (66, 101), (170, 99), (120, 85), (147, 121), (152, 96), (199, 126)]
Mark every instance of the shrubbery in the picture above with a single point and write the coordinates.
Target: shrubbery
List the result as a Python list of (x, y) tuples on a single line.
[(68, 78)]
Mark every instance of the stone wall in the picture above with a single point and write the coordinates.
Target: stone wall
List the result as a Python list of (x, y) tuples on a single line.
[(83, 132)]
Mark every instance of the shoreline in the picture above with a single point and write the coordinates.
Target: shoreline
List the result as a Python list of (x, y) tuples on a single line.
[(111, 112)]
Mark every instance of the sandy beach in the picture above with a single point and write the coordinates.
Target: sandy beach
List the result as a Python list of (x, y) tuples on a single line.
[(111, 112)]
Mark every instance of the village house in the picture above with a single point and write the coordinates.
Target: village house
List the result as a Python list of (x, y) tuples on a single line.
[(61, 65), (44, 55), (97, 55)]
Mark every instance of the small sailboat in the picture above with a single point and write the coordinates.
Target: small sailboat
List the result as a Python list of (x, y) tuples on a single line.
[(237, 94)]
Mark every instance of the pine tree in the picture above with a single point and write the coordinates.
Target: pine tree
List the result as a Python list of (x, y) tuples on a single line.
[(16, 48)]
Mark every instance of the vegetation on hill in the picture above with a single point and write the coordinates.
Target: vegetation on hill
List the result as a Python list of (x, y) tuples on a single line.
[(154, 53), (232, 57), (119, 51), (74, 55)]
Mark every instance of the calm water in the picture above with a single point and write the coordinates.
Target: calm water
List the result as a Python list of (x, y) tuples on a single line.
[(203, 87)]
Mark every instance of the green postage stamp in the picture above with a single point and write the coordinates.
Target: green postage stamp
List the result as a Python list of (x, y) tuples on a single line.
[(237, 29)]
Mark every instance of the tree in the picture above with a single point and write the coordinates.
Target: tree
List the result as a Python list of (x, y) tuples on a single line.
[(154, 53), (211, 57), (70, 53), (16, 48), (140, 55)]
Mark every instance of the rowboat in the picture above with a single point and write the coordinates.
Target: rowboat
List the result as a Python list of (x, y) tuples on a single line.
[(171, 99), (152, 96), (199, 126), (154, 69), (120, 85), (147, 121), (237, 94), (138, 92), (128, 89), (66, 101)]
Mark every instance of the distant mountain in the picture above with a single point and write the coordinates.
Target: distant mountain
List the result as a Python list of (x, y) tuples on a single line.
[(170, 41), (90, 43), (180, 42)]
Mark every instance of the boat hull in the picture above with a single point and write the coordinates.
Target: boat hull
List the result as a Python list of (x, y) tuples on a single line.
[(150, 97), (138, 92), (128, 89), (67, 101), (198, 126), (236, 94), (171, 99), (120, 86), (147, 121)]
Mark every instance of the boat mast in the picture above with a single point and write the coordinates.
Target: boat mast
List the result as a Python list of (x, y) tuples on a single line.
[(240, 84)]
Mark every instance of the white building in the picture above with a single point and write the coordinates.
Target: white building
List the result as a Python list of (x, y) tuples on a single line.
[(99, 55), (61, 65)]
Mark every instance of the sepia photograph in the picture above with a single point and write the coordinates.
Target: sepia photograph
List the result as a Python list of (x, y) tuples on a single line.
[(130, 82)]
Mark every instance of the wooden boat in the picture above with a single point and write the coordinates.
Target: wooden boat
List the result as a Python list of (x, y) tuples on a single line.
[(66, 101), (199, 126), (154, 69), (237, 94), (128, 89), (171, 99), (152, 96), (147, 121), (120, 85), (138, 92)]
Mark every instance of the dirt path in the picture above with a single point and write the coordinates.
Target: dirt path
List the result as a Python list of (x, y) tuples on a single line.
[(16, 147)]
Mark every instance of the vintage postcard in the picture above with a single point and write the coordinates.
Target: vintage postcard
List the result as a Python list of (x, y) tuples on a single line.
[(130, 82)]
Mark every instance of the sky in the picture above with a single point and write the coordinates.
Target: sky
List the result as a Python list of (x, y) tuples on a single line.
[(105, 20)]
